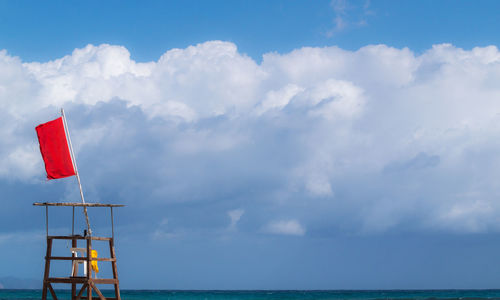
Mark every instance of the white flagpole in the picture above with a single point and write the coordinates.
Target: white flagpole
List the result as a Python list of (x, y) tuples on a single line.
[(73, 160)]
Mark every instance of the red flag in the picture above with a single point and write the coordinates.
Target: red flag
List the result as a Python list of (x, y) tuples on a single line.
[(54, 149)]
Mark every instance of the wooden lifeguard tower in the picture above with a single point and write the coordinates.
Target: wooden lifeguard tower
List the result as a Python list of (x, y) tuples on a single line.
[(87, 282)]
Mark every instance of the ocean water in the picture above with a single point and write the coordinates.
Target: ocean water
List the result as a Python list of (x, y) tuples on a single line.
[(264, 295), (321, 295)]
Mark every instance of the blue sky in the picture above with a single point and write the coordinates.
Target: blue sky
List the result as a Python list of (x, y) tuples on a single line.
[(260, 145), (45, 31)]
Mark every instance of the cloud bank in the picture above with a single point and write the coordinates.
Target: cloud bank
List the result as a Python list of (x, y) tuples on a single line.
[(289, 227), (338, 141)]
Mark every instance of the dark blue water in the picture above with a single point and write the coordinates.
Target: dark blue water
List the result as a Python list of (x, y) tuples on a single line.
[(264, 295)]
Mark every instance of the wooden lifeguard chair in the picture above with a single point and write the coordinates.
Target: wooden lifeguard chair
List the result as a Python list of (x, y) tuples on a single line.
[(88, 284)]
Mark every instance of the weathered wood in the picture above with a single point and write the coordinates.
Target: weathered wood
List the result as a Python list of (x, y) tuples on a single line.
[(81, 291), (105, 281), (82, 280), (65, 258), (97, 291), (47, 269), (102, 259), (97, 238), (113, 266), (67, 279), (44, 290), (73, 222), (78, 237), (80, 258), (73, 245), (77, 204), (89, 291), (52, 291), (112, 224), (47, 220), (89, 254)]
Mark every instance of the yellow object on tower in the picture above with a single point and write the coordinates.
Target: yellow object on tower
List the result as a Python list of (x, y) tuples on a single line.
[(93, 264)]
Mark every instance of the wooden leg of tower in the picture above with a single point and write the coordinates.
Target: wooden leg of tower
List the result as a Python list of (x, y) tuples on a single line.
[(73, 285), (84, 286), (89, 292), (89, 270), (101, 296), (47, 269), (44, 291), (52, 292), (115, 271)]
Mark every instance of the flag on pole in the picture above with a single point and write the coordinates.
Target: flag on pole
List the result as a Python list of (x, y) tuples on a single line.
[(55, 150)]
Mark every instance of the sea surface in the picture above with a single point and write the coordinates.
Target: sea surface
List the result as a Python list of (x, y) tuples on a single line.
[(264, 295)]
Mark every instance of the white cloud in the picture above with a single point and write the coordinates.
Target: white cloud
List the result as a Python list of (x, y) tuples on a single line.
[(349, 14), (234, 216), (370, 140), (162, 231), (278, 99), (21, 237), (288, 227)]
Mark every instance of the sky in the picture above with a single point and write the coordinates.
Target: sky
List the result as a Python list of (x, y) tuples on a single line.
[(259, 144)]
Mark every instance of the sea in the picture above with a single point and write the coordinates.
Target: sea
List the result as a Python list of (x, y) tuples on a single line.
[(6, 294)]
